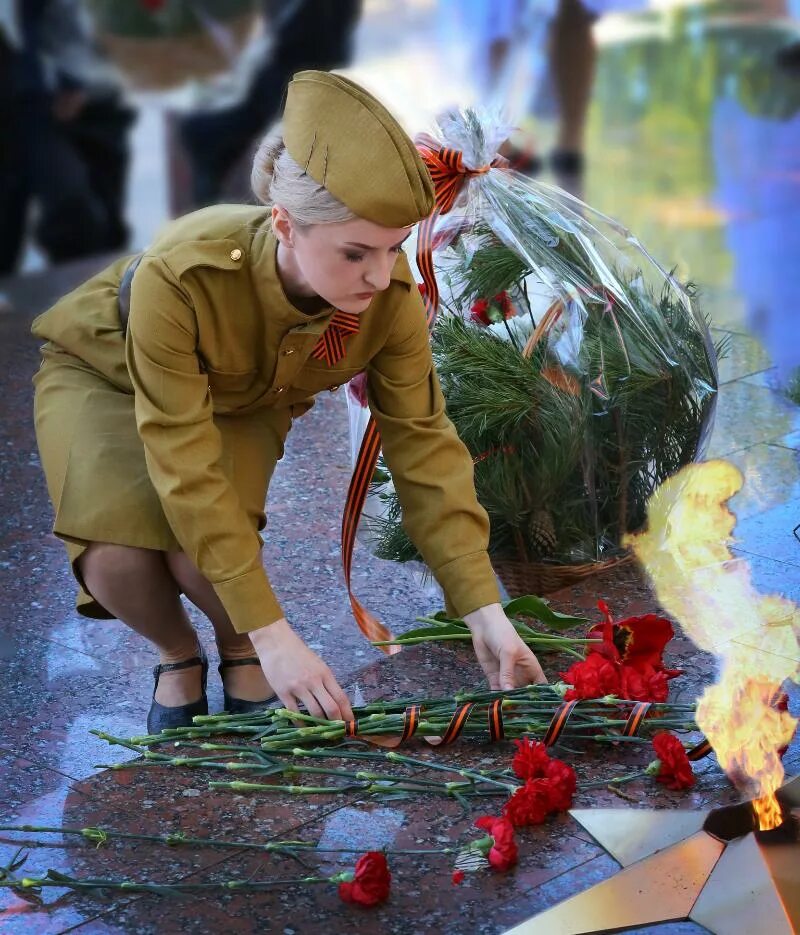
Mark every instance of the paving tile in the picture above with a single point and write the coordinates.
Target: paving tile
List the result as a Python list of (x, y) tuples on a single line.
[(769, 534), (746, 356), (422, 900), (53, 699), (33, 794), (771, 477), (772, 577), (792, 440), (724, 307), (747, 415)]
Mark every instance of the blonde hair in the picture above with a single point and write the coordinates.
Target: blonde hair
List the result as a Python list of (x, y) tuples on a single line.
[(277, 179)]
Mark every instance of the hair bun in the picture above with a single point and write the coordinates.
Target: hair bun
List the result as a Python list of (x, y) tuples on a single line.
[(264, 162)]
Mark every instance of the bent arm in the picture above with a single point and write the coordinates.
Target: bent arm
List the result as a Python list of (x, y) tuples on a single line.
[(183, 448), (431, 467)]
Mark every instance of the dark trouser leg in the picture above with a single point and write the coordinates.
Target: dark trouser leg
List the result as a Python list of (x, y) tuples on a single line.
[(308, 34), (99, 135), (572, 59), (71, 218)]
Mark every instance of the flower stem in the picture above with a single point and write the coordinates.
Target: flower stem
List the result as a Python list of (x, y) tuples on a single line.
[(179, 839)]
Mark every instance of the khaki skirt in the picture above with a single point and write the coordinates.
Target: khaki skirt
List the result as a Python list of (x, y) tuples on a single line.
[(94, 463)]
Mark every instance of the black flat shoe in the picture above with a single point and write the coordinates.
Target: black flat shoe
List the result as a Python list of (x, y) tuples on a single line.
[(161, 716), (241, 705), (567, 162)]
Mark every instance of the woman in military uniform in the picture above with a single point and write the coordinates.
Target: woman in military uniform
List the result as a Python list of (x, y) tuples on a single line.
[(169, 383)]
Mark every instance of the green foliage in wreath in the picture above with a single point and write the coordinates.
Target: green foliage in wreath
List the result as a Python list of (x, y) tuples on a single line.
[(566, 458)]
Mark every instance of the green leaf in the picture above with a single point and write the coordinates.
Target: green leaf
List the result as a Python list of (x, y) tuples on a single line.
[(432, 632), (539, 609)]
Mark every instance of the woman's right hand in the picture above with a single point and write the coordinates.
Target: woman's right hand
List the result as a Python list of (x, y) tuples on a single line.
[(297, 674)]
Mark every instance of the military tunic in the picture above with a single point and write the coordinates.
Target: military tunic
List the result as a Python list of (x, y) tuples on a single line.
[(166, 437)]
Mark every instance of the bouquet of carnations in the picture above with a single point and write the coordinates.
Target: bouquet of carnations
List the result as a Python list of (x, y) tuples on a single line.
[(161, 44), (579, 372)]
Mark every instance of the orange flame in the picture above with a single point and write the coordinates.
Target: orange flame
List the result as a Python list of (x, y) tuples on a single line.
[(708, 590)]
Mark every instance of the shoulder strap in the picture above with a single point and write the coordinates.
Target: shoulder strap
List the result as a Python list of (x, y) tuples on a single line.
[(124, 296)]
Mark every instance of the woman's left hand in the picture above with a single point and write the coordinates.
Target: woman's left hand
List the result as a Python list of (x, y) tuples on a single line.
[(501, 651)]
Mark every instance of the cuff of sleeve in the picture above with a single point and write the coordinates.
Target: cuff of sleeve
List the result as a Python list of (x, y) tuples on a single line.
[(249, 601), (469, 582)]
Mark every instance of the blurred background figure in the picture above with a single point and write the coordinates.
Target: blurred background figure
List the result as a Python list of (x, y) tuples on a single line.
[(525, 56), (303, 34), (65, 127), (788, 57), (756, 150)]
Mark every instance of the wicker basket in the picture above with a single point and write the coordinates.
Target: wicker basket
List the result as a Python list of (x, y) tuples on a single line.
[(164, 63), (521, 578)]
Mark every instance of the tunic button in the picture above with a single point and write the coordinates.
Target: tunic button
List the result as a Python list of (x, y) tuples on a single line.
[(287, 351), (279, 389), (332, 389), (236, 254)]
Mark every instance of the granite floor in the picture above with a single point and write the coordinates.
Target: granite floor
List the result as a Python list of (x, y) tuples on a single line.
[(694, 143)]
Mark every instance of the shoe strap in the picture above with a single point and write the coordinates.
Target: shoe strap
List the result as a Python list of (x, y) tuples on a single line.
[(174, 666), (248, 661)]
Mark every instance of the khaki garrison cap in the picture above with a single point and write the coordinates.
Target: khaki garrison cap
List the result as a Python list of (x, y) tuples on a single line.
[(347, 141)]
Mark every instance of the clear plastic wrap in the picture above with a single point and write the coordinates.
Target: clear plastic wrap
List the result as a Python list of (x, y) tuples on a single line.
[(578, 371), (169, 45)]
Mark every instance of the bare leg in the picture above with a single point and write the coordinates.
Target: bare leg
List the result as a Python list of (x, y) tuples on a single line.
[(136, 586), (246, 682), (572, 60)]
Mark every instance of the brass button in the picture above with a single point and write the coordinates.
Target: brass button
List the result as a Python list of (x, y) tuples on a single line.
[(332, 389), (287, 351), (236, 254), (279, 389)]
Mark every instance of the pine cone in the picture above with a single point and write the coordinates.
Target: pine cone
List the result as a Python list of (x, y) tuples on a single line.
[(542, 533)]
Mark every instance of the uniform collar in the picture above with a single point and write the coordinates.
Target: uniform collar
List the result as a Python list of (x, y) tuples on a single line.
[(267, 282)]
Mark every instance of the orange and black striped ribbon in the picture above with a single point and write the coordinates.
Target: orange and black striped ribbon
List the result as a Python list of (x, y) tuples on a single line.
[(351, 728), (635, 718), (448, 173), (458, 722), (700, 750), (330, 346), (411, 718), (496, 731), (559, 722)]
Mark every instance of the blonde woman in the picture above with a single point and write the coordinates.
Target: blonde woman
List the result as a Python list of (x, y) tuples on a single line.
[(169, 383)]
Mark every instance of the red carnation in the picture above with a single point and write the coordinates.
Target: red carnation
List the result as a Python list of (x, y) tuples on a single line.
[(530, 804), (370, 881), (531, 759), (490, 311), (502, 853), (458, 877), (635, 641), (562, 782), (594, 677), (672, 768), (644, 684), (628, 661), (479, 312)]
